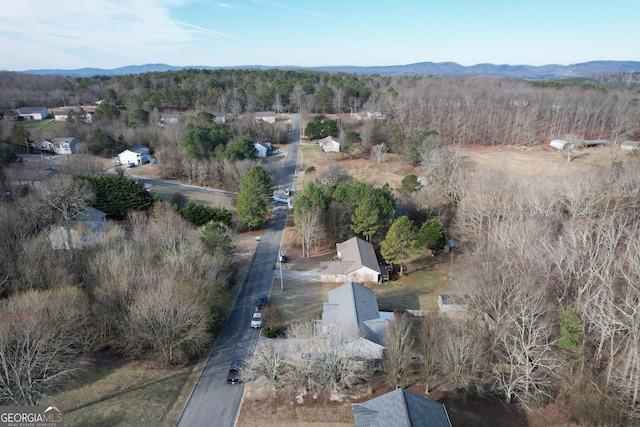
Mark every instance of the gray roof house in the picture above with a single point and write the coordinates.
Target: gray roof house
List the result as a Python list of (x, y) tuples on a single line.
[(330, 144), (400, 408), (351, 315), (63, 145), (83, 231), (266, 116), (135, 156), (356, 262), (33, 113), (262, 148)]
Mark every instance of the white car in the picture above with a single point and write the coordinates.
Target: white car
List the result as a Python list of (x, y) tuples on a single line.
[(287, 192), (256, 320)]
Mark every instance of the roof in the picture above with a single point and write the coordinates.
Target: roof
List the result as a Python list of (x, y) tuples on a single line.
[(400, 408), (350, 305), (139, 149), (29, 110), (265, 113), (329, 141), (266, 145), (90, 215), (356, 253), (633, 144)]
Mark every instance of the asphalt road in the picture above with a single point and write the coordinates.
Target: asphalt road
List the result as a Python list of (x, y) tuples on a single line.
[(213, 402)]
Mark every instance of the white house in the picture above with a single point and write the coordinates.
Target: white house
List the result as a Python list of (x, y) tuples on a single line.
[(266, 116), (33, 113), (630, 145), (135, 156), (262, 148), (560, 144), (65, 145), (357, 262), (330, 144)]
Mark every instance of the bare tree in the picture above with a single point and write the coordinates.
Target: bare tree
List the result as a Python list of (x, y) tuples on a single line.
[(309, 225), (169, 319), (398, 342), (41, 333), (379, 151), (266, 364), (526, 355)]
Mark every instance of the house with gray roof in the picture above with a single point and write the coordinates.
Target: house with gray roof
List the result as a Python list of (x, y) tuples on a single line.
[(33, 113), (356, 261), (330, 145), (135, 156), (400, 408), (351, 315), (266, 116), (63, 145)]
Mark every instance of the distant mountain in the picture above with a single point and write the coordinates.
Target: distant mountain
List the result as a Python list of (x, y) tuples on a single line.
[(551, 71)]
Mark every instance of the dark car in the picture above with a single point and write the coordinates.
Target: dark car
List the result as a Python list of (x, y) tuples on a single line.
[(233, 377), (262, 301)]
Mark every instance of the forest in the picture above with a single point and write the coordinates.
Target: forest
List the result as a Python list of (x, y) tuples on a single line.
[(553, 283)]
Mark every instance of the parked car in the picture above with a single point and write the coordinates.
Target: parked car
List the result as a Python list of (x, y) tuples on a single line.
[(282, 257), (256, 320), (262, 301), (287, 192), (233, 377)]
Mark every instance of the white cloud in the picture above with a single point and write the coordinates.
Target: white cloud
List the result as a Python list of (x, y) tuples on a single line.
[(73, 33)]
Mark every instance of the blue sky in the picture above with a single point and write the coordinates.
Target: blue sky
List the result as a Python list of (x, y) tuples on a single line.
[(71, 34)]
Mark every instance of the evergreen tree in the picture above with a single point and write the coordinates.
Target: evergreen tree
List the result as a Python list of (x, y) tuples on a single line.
[(255, 188), (399, 242), (432, 235), (117, 195)]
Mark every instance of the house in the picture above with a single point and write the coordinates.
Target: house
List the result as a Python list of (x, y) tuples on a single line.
[(220, 118), (376, 115), (135, 156), (64, 145), (561, 145), (33, 113), (451, 303), (60, 115), (263, 149), (587, 143), (400, 408), (83, 231), (170, 119), (266, 116), (356, 261), (630, 145), (330, 145), (351, 315)]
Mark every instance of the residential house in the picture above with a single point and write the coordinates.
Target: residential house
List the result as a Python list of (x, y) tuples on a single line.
[(330, 144), (64, 145), (170, 119), (263, 149), (266, 116), (219, 117), (60, 115), (561, 145), (630, 145), (83, 231), (135, 156), (33, 113), (351, 315), (357, 261), (400, 408), (376, 115)]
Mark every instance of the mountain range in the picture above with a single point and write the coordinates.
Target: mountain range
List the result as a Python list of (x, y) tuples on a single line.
[(551, 71)]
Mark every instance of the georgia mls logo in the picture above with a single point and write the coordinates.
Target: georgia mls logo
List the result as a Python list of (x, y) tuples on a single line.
[(31, 416)]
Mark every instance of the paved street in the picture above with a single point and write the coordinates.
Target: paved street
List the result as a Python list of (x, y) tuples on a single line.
[(213, 402)]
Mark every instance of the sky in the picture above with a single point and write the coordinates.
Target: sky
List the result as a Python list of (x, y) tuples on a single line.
[(70, 34)]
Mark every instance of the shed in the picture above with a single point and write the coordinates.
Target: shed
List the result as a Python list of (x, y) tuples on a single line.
[(560, 144), (451, 303), (630, 145), (595, 143)]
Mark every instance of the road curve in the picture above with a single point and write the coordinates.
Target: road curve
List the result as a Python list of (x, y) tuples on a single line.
[(213, 402)]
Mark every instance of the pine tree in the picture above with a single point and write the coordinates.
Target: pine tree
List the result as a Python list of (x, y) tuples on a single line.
[(400, 242)]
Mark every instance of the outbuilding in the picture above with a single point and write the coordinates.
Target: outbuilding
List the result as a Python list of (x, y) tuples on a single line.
[(630, 145), (560, 144), (33, 113)]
